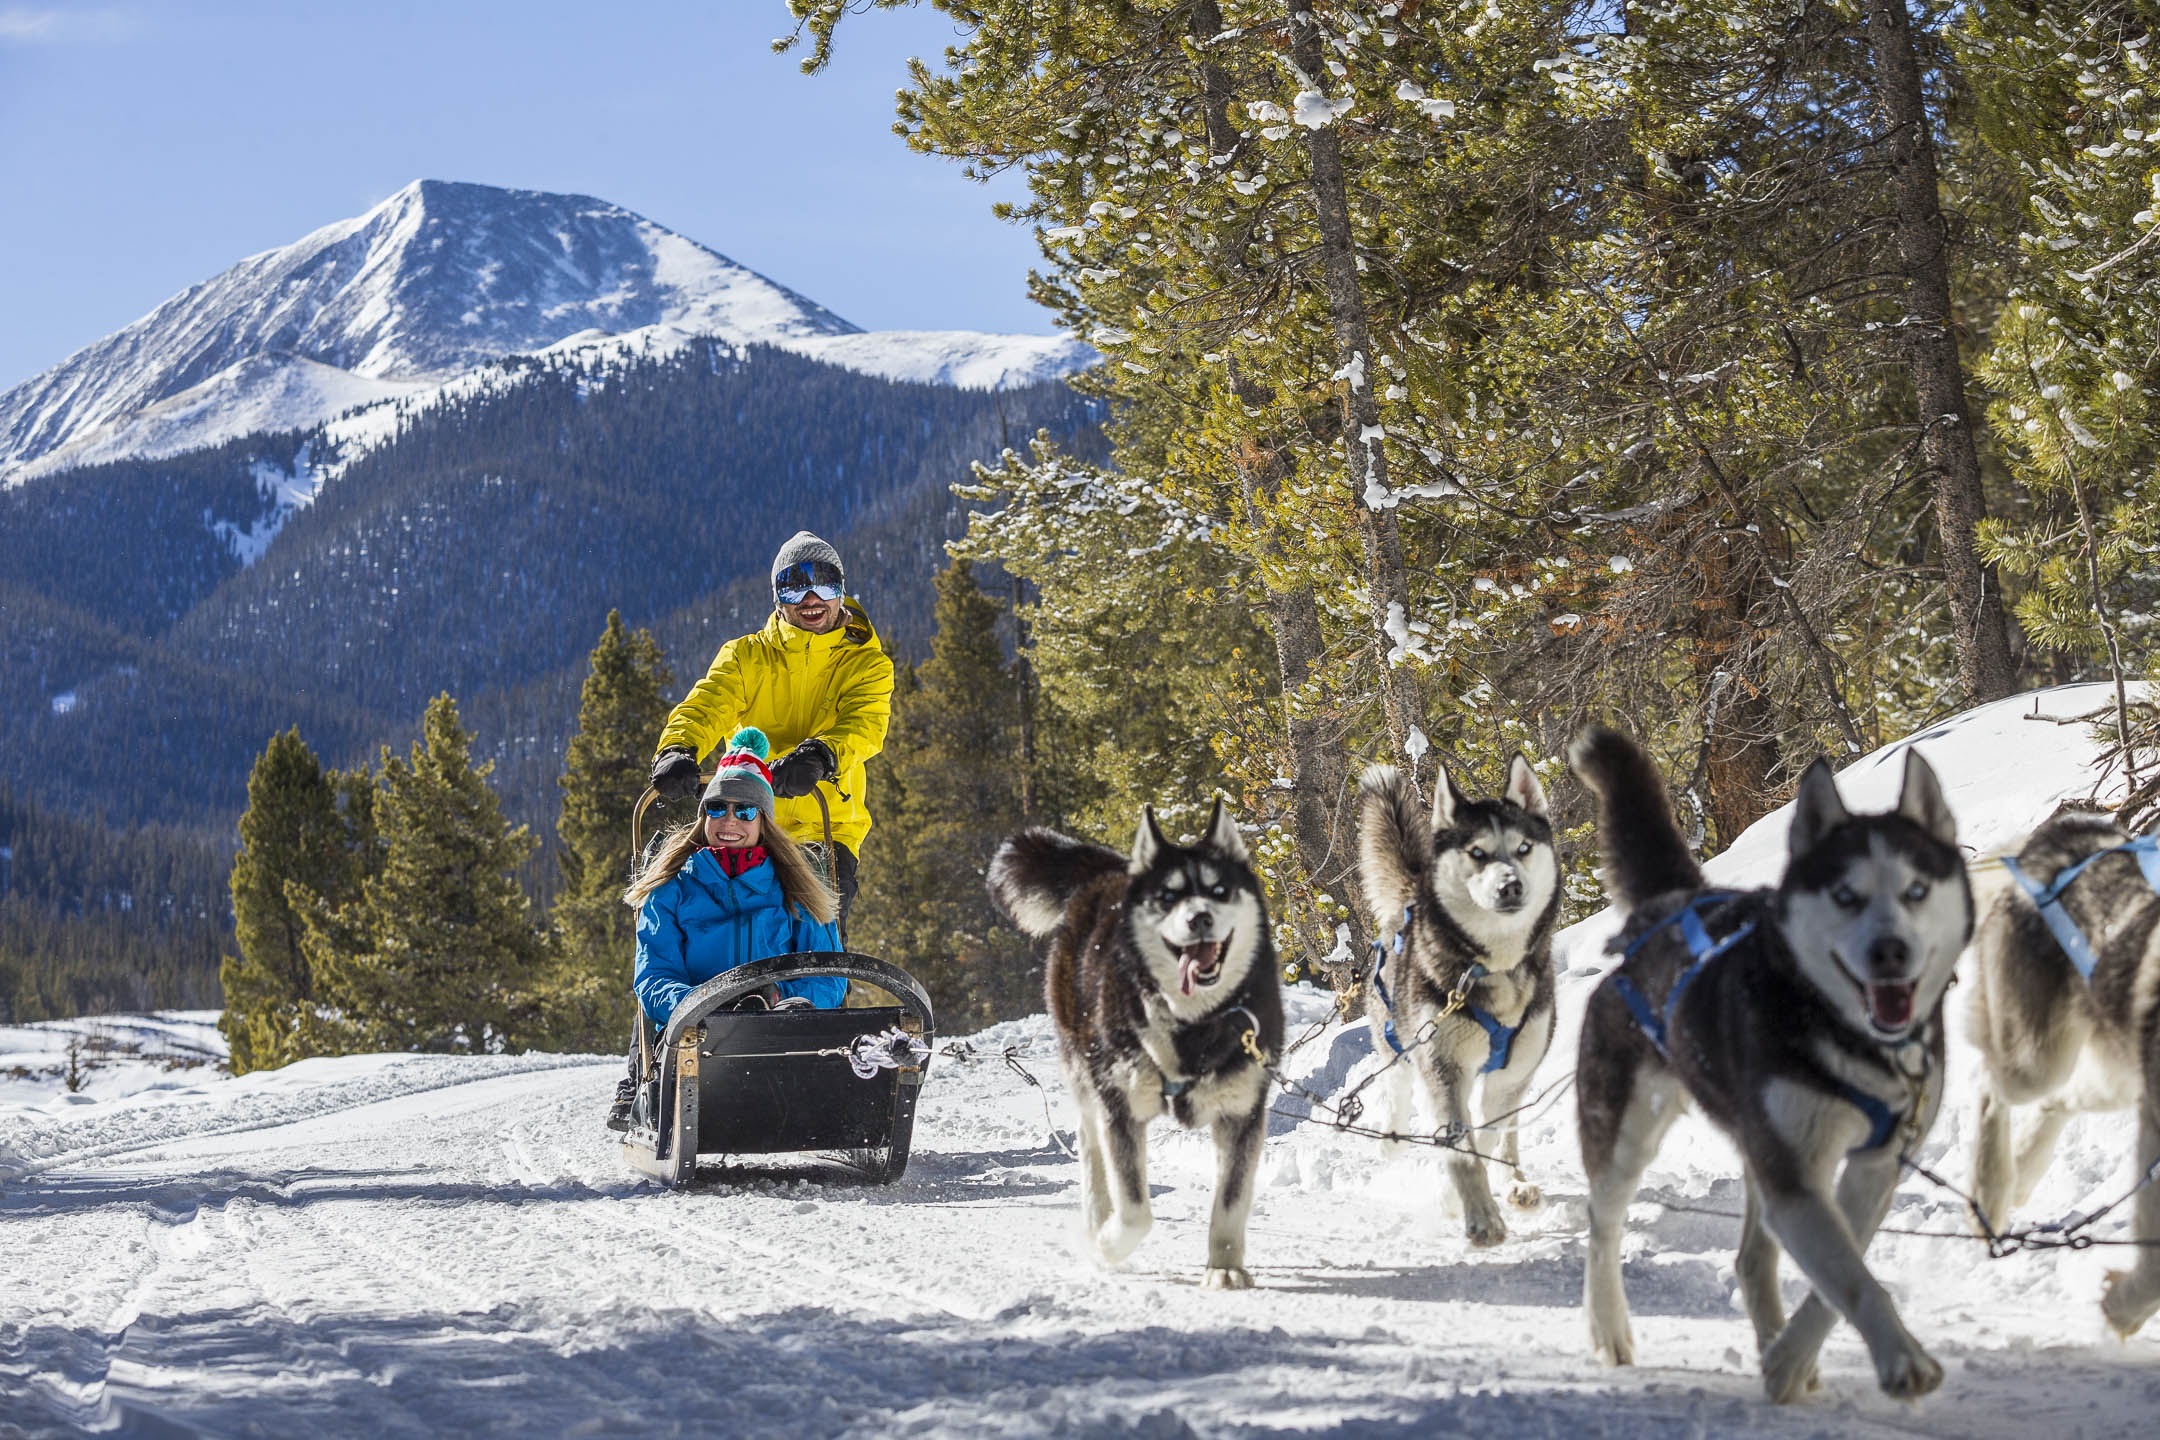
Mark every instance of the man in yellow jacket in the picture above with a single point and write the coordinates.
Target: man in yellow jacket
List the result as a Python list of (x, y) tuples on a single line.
[(818, 683)]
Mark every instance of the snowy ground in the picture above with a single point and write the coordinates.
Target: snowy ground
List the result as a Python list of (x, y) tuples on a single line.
[(104, 1057), (405, 1245)]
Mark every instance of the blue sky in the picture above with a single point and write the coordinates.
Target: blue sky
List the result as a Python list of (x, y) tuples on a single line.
[(145, 146)]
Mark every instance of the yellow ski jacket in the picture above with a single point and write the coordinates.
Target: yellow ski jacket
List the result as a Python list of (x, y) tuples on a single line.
[(792, 685)]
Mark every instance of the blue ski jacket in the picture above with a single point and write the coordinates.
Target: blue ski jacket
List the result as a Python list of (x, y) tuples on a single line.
[(705, 922)]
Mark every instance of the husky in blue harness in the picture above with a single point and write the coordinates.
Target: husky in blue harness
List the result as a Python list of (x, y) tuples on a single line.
[(1802, 1021), (1461, 985), (2067, 981), (1160, 967)]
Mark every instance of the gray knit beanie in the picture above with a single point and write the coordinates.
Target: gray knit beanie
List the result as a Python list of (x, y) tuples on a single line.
[(805, 548)]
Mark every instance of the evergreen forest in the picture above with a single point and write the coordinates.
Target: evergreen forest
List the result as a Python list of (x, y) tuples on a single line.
[(1776, 375)]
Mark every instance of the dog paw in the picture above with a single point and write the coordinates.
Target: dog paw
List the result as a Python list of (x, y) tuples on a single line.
[(1525, 1196), (1908, 1374), (1119, 1237), (1226, 1277), (1485, 1231), (1787, 1373), (1613, 1350), (2125, 1316)]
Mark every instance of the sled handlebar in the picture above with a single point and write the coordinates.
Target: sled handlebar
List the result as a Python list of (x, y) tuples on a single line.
[(726, 988)]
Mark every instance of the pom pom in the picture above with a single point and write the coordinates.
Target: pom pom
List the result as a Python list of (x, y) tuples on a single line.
[(752, 739)]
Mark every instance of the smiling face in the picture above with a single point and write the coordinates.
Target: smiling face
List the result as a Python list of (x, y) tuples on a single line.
[(815, 614), (1196, 913), (728, 832), (1876, 908)]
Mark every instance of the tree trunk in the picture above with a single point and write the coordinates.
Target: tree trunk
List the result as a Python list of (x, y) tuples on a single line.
[(1204, 24), (1366, 472), (1323, 821), (1739, 728), (1326, 851), (1985, 668), (1325, 834), (1024, 700)]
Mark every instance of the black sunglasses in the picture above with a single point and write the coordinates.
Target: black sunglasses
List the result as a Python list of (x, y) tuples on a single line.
[(720, 810)]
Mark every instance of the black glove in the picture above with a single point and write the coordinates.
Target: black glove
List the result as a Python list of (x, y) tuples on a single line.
[(675, 773), (799, 771)]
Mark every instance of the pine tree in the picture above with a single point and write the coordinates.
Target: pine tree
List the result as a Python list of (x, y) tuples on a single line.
[(1117, 728), (450, 953), (622, 710), (2066, 98), (875, 926), (1606, 309), (954, 751), (305, 839)]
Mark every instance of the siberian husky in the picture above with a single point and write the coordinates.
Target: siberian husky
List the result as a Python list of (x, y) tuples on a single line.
[(1159, 967), (1802, 1020), (2053, 1035), (1463, 904)]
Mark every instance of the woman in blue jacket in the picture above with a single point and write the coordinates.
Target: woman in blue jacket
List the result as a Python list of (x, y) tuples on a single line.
[(730, 889)]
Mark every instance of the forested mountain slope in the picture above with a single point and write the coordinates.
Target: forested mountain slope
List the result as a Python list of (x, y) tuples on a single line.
[(479, 551)]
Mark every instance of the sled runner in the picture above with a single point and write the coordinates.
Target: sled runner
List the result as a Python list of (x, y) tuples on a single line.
[(726, 1082)]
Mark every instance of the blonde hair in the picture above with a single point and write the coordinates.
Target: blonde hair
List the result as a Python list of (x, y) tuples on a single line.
[(801, 887)]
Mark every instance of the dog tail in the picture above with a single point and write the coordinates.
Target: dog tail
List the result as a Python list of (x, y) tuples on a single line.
[(1394, 842), (1642, 848), (1036, 873)]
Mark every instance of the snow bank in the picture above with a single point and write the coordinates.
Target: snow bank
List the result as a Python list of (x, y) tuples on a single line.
[(105, 1056), (2004, 768)]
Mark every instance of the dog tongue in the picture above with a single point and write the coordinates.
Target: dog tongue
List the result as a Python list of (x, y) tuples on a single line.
[(1891, 1005), (1195, 958)]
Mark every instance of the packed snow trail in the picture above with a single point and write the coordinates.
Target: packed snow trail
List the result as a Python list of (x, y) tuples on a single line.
[(410, 1245), (417, 1246)]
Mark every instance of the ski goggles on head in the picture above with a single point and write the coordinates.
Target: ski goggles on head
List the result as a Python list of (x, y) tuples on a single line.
[(721, 810), (798, 583)]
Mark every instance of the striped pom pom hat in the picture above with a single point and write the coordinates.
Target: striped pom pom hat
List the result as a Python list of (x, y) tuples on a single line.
[(743, 776)]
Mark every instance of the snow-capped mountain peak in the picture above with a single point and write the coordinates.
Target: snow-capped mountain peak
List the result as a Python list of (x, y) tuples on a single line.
[(437, 280)]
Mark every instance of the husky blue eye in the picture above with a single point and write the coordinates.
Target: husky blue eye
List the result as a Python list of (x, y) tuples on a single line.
[(1523, 849), (1916, 892), (1846, 897), (1477, 852)]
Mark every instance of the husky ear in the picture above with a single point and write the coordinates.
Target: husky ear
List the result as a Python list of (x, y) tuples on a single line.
[(1817, 810), (1222, 834), (1524, 788), (1148, 843), (1921, 800), (1446, 800)]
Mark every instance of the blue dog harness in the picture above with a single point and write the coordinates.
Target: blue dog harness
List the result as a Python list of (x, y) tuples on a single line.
[(1654, 1023), (1883, 1121), (1499, 1038), (2047, 899)]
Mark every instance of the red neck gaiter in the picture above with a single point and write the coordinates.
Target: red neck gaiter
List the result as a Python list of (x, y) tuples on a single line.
[(736, 860)]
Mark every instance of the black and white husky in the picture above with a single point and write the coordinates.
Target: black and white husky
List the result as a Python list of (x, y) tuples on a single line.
[(1802, 1020), (1159, 966), (1463, 904), (2067, 972)]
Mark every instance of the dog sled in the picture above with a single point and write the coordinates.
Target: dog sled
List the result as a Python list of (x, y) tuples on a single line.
[(721, 1083), (730, 1077)]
